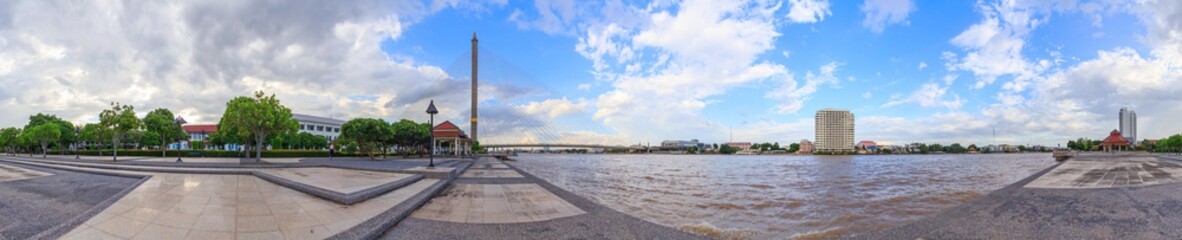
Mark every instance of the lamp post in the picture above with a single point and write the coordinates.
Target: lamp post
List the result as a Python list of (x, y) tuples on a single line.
[(431, 110), (77, 131), (178, 122)]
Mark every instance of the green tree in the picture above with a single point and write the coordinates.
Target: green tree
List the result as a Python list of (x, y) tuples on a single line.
[(793, 148), (368, 133), (257, 119), (727, 149), (95, 134), (935, 147), (120, 119), (43, 134), (10, 140), (161, 123), (1021, 148), (974, 147), (65, 128), (477, 148), (956, 148), (410, 135)]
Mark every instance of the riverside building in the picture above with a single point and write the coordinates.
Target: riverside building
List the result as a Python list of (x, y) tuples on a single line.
[(1128, 125), (834, 130)]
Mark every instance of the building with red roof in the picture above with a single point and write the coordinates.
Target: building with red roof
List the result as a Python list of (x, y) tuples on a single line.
[(1114, 141), (450, 138)]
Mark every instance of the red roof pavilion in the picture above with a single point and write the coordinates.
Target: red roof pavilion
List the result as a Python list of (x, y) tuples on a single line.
[(1114, 139), (448, 129)]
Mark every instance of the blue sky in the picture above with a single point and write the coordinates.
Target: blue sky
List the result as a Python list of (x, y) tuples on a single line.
[(622, 72)]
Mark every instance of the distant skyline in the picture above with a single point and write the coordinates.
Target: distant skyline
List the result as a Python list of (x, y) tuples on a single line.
[(620, 72)]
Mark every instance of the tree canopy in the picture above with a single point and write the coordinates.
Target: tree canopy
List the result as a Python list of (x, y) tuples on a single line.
[(120, 120), (409, 134), (65, 128), (368, 133), (9, 139), (162, 129), (256, 119), (43, 134)]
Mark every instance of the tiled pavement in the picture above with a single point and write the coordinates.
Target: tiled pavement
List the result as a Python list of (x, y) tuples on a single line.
[(1094, 172), (495, 202), (202, 206), (339, 180), (491, 173)]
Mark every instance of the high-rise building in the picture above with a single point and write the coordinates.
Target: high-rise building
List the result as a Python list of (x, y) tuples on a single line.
[(1128, 125), (834, 130)]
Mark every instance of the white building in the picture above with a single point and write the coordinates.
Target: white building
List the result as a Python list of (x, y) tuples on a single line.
[(834, 130), (322, 126), (1128, 125), (681, 144)]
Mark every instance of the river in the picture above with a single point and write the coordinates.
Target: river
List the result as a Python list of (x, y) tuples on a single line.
[(782, 197)]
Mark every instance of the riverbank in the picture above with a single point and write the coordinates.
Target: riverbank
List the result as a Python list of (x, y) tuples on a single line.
[(1090, 196)]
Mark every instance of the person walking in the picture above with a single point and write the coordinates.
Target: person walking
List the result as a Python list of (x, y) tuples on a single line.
[(331, 149)]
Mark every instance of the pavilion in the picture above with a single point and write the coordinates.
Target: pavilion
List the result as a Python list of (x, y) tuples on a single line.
[(449, 134), (1114, 140)]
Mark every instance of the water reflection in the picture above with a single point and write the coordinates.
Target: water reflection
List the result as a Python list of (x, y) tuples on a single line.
[(777, 197)]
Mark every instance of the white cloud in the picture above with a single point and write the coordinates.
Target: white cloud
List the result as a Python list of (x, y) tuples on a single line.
[(194, 56), (657, 76), (808, 11), (553, 16), (928, 95), (791, 95), (584, 87), (555, 107), (922, 65), (880, 13)]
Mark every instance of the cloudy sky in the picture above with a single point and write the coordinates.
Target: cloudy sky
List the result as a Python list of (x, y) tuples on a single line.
[(617, 72)]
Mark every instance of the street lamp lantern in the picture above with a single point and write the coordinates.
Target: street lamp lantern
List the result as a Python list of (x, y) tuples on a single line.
[(431, 110)]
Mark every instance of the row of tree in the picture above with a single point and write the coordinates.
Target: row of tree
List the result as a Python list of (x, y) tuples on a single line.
[(119, 123), (252, 122), (369, 134)]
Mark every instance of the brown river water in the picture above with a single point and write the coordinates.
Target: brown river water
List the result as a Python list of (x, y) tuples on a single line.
[(782, 197)]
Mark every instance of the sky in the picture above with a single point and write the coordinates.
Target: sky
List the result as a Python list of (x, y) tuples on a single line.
[(617, 72)]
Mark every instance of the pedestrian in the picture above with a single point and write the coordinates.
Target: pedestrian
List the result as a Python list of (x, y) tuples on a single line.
[(331, 149)]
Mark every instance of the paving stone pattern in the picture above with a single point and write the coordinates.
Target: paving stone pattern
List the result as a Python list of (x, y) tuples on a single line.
[(1100, 172), (1141, 211)]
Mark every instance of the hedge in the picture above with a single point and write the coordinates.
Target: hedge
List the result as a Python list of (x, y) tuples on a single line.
[(215, 153)]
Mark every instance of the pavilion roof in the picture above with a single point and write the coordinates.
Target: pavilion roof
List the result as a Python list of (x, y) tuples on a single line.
[(1115, 139), (448, 129), (196, 128)]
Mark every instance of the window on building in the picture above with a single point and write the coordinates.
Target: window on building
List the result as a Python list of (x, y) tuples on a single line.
[(320, 128), (336, 130)]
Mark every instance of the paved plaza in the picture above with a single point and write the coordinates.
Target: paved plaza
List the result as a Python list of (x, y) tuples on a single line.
[(335, 179), (492, 200), (1098, 172), (490, 173), (1131, 197), (151, 198)]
